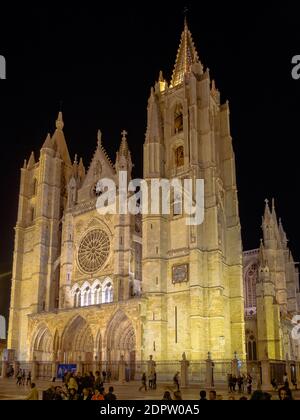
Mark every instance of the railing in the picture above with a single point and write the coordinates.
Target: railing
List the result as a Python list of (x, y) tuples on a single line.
[(198, 373)]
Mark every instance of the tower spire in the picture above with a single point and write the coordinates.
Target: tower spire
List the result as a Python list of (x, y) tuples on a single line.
[(124, 149), (123, 161), (59, 139), (60, 121), (186, 56), (267, 215)]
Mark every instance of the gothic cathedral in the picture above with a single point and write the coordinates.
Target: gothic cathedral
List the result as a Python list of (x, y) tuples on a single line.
[(89, 289)]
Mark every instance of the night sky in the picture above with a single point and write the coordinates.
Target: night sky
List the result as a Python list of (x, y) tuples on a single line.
[(102, 61)]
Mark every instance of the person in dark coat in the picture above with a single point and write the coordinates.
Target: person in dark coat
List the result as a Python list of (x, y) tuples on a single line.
[(110, 396)]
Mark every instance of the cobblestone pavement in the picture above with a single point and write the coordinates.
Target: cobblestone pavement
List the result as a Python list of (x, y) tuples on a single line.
[(10, 391)]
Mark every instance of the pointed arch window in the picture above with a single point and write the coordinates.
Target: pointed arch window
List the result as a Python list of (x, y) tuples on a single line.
[(179, 157), (97, 295), (31, 215), (177, 204), (77, 298), (34, 187), (252, 350), (178, 119), (250, 286), (87, 297), (108, 293)]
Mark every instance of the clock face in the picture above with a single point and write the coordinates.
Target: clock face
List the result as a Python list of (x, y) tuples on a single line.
[(93, 251), (180, 273)]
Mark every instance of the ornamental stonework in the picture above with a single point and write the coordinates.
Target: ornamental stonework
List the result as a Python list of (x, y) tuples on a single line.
[(93, 251)]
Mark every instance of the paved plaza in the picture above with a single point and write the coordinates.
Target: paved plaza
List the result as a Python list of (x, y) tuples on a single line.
[(129, 391)]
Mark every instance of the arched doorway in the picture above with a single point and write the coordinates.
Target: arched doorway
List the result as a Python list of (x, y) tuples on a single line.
[(43, 345), (121, 341), (77, 342), (42, 353)]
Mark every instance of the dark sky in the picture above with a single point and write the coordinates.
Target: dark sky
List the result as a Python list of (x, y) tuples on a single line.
[(101, 62)]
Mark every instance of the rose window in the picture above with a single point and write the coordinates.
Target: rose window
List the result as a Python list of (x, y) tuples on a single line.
[(93, 251)]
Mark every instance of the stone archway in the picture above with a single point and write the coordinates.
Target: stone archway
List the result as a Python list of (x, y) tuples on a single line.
[(120, 341), (77, 341), (42, 349)]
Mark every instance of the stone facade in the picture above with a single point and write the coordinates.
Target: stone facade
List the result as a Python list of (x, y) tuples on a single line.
[(271, 283)]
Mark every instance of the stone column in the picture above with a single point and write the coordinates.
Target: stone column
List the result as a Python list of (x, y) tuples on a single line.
[(79, 366), (34, 370), (298, 374), (266, 375), (209, 372), (288, 371), (54, 370), (184, 371), (4, 369), (122, 367)]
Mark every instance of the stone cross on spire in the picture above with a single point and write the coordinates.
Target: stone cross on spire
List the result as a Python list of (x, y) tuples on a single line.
[(124, 135)]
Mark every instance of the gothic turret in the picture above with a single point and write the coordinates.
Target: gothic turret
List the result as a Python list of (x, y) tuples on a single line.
[(60, 141), (187, 57), (123, 160), (269, 227)]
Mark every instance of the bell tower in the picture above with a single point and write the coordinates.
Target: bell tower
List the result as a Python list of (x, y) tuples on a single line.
[(36, 262), (192, 275)]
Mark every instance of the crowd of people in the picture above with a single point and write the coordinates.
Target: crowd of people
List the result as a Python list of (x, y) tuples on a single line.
[(82, 387), (89, 387), (23, 378), (243, 382)]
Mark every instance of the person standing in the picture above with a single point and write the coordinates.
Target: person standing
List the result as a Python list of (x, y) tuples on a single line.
[(176, 381), (98, 380), (234, 382), (28, 380), (104, 376), (212, 395), (72, 384), (240, 383), (230, 383), (249, 385), (154, 379), (144, 382), (110, 396), (244, 383), (19, 377), (203, 396), (286, 380), (150, 380), (167, 396), (177, 395), (23, 377)]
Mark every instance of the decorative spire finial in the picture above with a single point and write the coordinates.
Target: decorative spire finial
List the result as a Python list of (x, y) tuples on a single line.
[(186, 56), (60, 121), (185, 13), (124, 135), (99, 138), (273, 203)]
